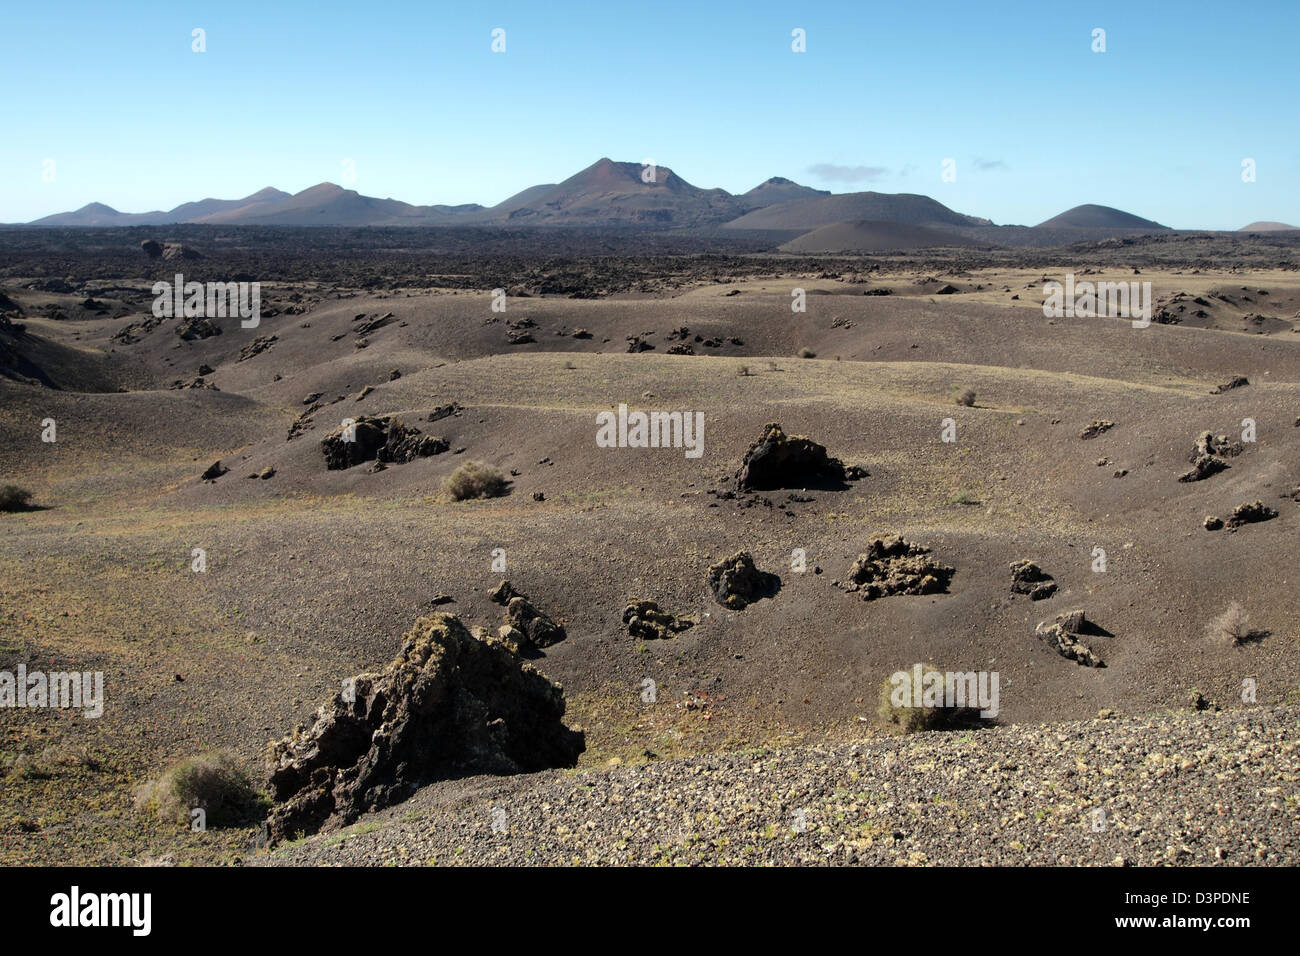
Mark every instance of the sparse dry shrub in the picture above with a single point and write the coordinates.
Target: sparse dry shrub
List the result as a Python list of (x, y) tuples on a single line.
[(13, 498), (916, 719), (213, 782), (806, 353), (966, 397), (475, 479), (1230, 627)]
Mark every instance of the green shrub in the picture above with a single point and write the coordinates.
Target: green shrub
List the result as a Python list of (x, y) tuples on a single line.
[(915, 719), (474, 479), (213, 782)]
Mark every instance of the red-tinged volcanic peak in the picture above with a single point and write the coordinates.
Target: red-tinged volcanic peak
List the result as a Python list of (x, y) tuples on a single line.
[(314, 195), (267, 194), (1091, 216), (610, 177), (609, 192), (194, 211), (778, 189), (1267, 225), (325, 204), (525, 197)]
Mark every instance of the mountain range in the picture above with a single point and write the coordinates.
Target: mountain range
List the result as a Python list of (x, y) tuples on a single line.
[(605, 193), (621, 194)]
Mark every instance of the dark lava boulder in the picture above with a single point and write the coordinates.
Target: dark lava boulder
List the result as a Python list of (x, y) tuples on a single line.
[(1208, 443), (448, 705), (736, 582), (384, 439), (445, 411), (368, 436), (1096, 428), (780, 461), (1063, 637), (151, 248), (196, 327), (646, 620), (176, 250), (1203, 468), (894, 565), (521, 615), (1208, 454), (1250, 512), (1237, 381), (1029, 578), (257, 347)]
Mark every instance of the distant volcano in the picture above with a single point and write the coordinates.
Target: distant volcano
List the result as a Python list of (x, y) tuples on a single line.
[(1090, 216)]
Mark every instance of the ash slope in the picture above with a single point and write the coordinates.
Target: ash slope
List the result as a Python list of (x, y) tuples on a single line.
[(1187, 789)]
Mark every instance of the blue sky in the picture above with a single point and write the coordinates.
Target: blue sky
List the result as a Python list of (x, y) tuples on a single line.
[(411, 92)]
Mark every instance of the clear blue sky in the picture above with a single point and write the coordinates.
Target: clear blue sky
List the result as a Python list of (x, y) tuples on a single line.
[(411, 92)]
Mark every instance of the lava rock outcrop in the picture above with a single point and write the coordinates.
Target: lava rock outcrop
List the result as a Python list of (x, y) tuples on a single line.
[(1063, 636), (894, 565), (1029, 578), (448, 705), (532, 628), (736, 583), (383, 439), (780, 461), (646, 620)]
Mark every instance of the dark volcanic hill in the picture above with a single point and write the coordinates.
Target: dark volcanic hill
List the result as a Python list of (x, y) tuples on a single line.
[(876, 236), (1090, 216), (198, 211), (621, 195), (98, 214), (802, 215), (329, 205), (611, 192), (607, 193), (778, 189)]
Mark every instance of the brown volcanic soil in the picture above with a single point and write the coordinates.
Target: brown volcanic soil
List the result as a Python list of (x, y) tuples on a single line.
[(313, 575)]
